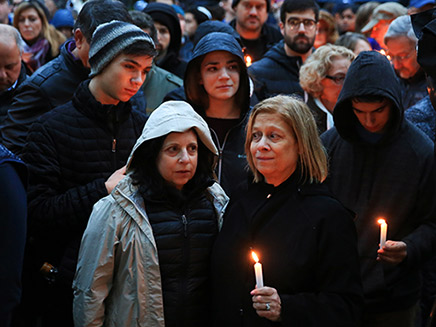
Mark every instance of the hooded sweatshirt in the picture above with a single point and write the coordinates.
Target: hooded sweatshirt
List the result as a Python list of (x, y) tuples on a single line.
[(386, 175), (231, 168), (120, 279), (166, 15)]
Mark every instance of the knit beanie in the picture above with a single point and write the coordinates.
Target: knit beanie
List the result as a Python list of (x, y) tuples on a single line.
[(268, 4), (109, 40)]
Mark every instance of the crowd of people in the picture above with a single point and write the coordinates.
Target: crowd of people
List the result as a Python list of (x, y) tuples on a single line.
[(205, 163)]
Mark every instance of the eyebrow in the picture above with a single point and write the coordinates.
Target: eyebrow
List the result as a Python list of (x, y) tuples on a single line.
[(216, 62), (382, 106)]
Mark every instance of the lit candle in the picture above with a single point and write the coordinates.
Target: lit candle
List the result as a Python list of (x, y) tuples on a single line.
[(257, 270), (383, 232), (248, 60)]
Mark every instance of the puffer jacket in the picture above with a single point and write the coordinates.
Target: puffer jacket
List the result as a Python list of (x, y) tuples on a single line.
[(71, 152), (118, 279), (276, 73)]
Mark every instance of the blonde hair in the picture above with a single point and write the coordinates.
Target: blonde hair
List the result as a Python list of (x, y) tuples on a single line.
[(48, 31), (317, 66), (312, 158)]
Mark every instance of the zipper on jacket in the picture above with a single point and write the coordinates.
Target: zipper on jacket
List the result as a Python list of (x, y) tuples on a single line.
[(185, 225), (220, 151), (114, 145)]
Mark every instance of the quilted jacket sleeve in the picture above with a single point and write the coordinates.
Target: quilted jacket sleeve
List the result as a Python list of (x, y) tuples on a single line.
[(51, 208)]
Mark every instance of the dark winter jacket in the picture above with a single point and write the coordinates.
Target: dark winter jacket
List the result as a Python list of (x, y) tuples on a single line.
[(413, 89), (423, 116), (7, 96), (269, 35), (50, 86), (391, 178), (71, 152), (276, 73), (304, 238), (231, 167), (13, 217), (166, 15)]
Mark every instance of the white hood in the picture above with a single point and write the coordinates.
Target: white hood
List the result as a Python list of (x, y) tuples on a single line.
[(174, 116)]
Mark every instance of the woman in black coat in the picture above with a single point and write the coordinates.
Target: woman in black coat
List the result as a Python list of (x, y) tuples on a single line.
[(305, 239)]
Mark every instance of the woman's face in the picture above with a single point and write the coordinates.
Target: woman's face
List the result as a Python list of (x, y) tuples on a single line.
[(220, 75), (29, 24), (177, 159), (332, 87), (274, 148)]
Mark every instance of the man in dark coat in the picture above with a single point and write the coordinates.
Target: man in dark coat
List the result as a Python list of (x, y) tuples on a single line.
[(76, 155), (12, 69), (278, 71), (54, 84), (382, 166), (250, 23)]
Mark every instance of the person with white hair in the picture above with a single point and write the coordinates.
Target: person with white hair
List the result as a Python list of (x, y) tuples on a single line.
[(12, 69), (401, 43)]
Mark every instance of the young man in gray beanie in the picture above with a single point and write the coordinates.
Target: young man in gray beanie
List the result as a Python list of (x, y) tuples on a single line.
[(76, 155)]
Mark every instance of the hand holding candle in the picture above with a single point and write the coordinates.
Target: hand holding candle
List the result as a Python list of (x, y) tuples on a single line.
[(383, 232), (257, 270)]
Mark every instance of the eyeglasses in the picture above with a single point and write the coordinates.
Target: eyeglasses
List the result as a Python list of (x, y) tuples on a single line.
[(339, 80), (400, 58), (294, 23)]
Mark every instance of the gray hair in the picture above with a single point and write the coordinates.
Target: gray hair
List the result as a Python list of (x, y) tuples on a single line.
[(401, 26), (13, 33)]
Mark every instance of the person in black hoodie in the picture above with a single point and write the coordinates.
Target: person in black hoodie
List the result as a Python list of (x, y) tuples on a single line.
[(381, 166), (217, 86), (76, 155), (169, 35)]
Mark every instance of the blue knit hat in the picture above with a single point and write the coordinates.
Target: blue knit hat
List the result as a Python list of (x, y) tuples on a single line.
[(109, 40)]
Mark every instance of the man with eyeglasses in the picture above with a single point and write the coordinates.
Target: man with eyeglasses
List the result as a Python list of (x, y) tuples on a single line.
[(401, 43), (278, 71), (250, 23)]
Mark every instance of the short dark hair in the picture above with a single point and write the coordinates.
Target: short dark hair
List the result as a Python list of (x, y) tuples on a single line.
[(144, 21), (370, 98), (289, 6), (140, 49), (145, 172), (97, 12)]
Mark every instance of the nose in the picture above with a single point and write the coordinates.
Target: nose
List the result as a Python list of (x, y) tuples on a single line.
[(224, 74), (184, 156), (3, 74), (138, 78), (253, 11), (369, 120), (301, 27), (263, 144)]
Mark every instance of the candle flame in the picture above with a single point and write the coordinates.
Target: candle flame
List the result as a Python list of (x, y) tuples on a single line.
[(254, 255), (248, 60), (381, 221), (384, 53)]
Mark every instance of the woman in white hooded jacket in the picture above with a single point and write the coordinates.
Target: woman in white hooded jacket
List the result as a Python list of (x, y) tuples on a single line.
[(144, 257)]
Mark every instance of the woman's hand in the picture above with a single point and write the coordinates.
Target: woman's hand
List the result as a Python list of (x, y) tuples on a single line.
[(266, 302)]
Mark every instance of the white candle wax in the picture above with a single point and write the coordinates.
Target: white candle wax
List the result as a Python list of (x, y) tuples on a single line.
[(383, 232), (258, 273)]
